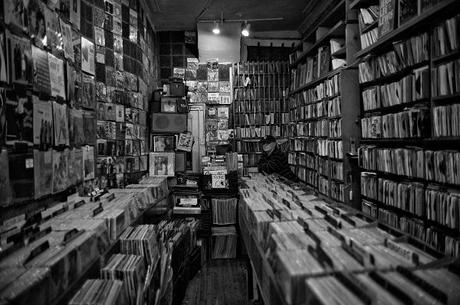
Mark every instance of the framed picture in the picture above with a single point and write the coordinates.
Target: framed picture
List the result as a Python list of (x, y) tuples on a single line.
[(168, 104), (162, 164), (163, 143)]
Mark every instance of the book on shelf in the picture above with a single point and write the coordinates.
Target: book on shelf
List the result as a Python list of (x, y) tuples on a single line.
[(445, 37)]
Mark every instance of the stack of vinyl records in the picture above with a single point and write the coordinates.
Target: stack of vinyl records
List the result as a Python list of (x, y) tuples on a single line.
[(131, 270), (100, 292), (224, 242), (141, 240), (224, 211)]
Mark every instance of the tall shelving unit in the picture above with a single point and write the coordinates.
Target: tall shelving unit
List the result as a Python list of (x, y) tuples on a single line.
[(259, 105), (410, 176), (323, 101)]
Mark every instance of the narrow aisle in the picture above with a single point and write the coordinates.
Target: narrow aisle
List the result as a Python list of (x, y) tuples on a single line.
[(219, 282)]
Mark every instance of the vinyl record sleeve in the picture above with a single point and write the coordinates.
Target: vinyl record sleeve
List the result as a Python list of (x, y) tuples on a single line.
[(43, 173), (56, 70), (89, 127), (88, 162), (162, 164), (20, 59), (53, 31), (76, 43), (41, 71), (19, 118), (87, 56), (43, 122), (36, 22), (6, 194), (67, 40), (3, 62), (60, 170), (75, 7), (61, 124), (76, 131), (88, 91), (16, 13)]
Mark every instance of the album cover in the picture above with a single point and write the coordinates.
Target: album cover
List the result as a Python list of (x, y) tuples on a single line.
[(163, 143), (224, 72), (43, 173), (101, 91), (53, 31), (88, 163), (56, 70), (43, 122), (20, 59), (41, 75), (73, 95), (36, 22), (222, 124), (67, 40), (6, 194), (3, 65), (76, 166), (117, 27), (213, 75), (133, 35), (128, 147), (76, 42), (223, 112), (89, 127), (100, 130), (185, 142), (120, 79), (118, 44), (75, 8), (213, 97), (88, 91), (2, 116), (87, 56), (101, 146), (60, 170), (120, 148), (100, 113), (225, 87), (161, 164), (76, 130), (19, 118), (110, 112), (98, 18), (16, 13), (99, 38), (61, 124), (119, 113), (118, 61)]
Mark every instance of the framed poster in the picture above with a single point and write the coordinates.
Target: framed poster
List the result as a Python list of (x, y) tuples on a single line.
[(56, 68), (43, 122), (163, 143), (87, 56), (162, 164)]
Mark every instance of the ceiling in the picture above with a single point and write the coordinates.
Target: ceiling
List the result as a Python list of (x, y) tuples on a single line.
[(171, 15)]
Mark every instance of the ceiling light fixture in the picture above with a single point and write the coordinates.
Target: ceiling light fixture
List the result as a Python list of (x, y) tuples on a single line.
[(216, 29), (245, 30)]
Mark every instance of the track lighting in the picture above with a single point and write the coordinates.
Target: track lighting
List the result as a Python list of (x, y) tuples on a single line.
[(245, 29), (216, 29)]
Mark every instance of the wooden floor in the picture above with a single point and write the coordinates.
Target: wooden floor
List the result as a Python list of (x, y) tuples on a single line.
[(220, 282)]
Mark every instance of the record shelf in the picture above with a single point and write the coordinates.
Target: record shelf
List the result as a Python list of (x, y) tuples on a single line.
[(409, 154), (259, 106), (323, 99)]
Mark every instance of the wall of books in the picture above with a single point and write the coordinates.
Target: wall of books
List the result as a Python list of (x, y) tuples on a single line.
[(75, 79), (410, 82), (260, 106)]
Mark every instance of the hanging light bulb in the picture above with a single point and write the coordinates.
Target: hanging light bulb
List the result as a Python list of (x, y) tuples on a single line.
[(216, 29), (245, 29)]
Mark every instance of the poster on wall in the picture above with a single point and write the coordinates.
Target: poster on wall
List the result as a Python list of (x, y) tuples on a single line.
[(89, 127), (56, 68), (61, 124), (76, 42), (43, 173), (60, 170), (2, 116), (43, 122), (88, 92), (53, 31), (76, 131), (16, 13), (87, 56), (3, 66), (37, 24)]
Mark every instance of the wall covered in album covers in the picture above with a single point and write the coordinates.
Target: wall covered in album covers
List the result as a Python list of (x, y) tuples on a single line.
[(75, 80)]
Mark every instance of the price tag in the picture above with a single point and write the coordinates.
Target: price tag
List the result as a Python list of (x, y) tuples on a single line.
[(29, 163), (218, 181)]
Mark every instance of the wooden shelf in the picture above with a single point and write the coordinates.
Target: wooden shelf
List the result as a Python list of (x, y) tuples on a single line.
[(340, 52), (411, 141), (370, 27), (395, 76), (396, 108), (335, 32), (443, 98), (420, 21), (446, 57)]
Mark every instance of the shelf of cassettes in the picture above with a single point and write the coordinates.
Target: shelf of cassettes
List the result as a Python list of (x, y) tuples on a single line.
[(403, 178), (363, 3), (422, 20), (336, 31), (315, 82), (401, 212)]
